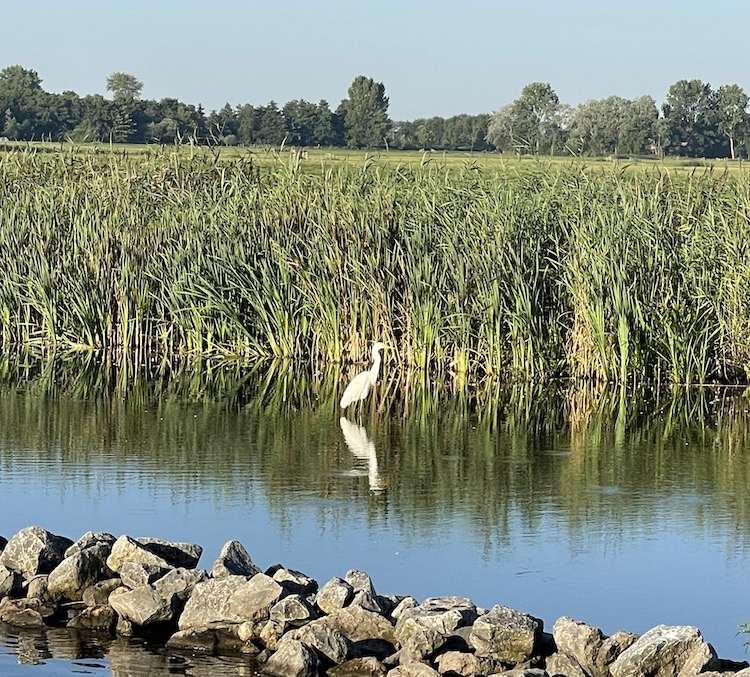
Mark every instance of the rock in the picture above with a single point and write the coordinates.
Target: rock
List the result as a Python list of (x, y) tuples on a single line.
[(421, 645), (467, 664), (253, 600), (270, 634), (330, 644), (442, 614), (359, 580), (25, 613), (523, 672), (406, 603), (665, 651), (413, 670), (33, 551), (195, 639), (210, 603), (179, 583), (562, 665), (294, 582), (36, 588), (334, 595), (100, 618), (88, 539), (234, 560), (10, 581), (98, 594), (611, 648), (143, 606), (136, 574), (368, 632), (176, 554), (124, 627), (82, 569), (366, 601), (126, 549), (505, 634), (292, 659), (580, 642), (292, 611), (367, 666)]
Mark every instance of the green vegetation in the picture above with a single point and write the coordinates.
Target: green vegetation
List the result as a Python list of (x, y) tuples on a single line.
[(532, 272)]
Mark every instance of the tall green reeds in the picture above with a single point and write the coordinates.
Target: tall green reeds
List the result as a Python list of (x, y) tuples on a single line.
[(526, 273)]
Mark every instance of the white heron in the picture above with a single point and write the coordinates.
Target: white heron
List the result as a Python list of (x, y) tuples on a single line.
[(361, 384)]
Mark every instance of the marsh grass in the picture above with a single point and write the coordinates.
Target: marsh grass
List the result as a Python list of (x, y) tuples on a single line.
[(530, 272)]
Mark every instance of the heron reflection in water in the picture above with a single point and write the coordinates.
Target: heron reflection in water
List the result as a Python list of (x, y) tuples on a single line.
[(363, 448)]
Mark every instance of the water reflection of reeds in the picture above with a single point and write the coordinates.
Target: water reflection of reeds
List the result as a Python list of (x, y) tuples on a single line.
[(491, 453)]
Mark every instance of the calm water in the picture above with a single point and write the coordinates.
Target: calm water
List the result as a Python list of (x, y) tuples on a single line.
[(622, 509)]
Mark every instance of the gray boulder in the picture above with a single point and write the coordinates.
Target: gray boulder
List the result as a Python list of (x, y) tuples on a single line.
[(36, 588), (234, 560), (33, 551), (179, 583), (294, 582), (126, 549), (369, 633), (25, 613), (292, 611), (210, 603), (80, 570), (98, 594), (413, 670), (292, 659), (367, 601), (143, 606), (136, 574), (330, 644), (366, 666), (505, 634), (467, 664), (359, 580), (611, 648), (579, 641), (88, 539), (442, 614), (666, 651), (253, 600), (176, 554), (334, 595), (421, 645), (100, 618), (562, 665), (10, 581), (405, 604)]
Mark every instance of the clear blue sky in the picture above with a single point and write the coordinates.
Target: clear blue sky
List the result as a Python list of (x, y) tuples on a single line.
[(434, 57)]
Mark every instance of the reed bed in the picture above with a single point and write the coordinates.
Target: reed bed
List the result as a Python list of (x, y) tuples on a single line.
[(532, 272)]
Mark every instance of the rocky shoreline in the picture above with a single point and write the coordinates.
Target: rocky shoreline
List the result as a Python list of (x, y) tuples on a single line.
[(294, 628)]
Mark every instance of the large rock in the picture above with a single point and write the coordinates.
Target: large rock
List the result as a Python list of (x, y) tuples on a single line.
[(413, 670), (579, 641), (442, 614), (421, 645), (562, 665), (216, 601), (82, 569), (369, 633), (611, 648), (33, 551), (334, 595), (292, 659), (136, 574), (359, 580), (505, 634), (88, 539), (179, 583), (234, 560), (176, 554), (294, 582), (100, 618), (366, 666), (292, 611), (467, 664), (126, 549), (330, 644), (25, 613), (253, 601), (666, 651), (10, 581), (98, 594), (143, 606)]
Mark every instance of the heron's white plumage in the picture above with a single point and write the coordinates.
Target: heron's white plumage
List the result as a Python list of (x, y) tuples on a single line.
[(361, 384)]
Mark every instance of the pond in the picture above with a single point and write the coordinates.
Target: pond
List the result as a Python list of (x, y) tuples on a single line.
[(621, 508)]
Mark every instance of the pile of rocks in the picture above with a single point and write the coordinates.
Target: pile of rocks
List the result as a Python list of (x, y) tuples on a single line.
[(296, 629)]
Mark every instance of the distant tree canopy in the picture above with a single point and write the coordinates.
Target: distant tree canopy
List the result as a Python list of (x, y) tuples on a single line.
[(694, 120)]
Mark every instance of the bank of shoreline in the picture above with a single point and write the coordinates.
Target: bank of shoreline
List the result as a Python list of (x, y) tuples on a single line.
[(293, 627)]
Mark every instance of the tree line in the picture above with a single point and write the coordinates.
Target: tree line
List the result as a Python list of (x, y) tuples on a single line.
[(694, 121)]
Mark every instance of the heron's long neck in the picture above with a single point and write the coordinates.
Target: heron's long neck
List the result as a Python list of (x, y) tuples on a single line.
[(375, 369)]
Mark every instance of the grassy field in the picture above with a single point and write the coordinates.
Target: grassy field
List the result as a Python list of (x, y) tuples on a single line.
[(467, 264)]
